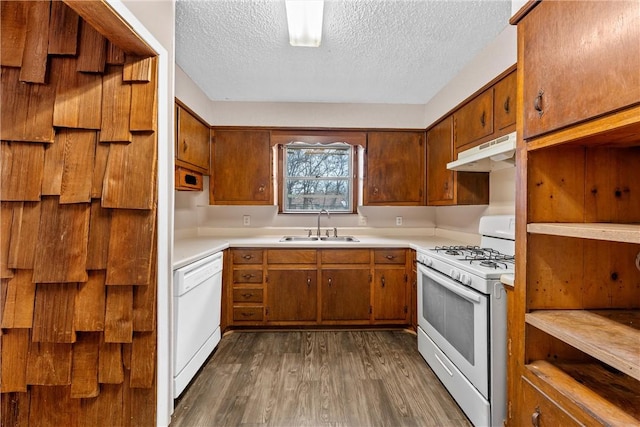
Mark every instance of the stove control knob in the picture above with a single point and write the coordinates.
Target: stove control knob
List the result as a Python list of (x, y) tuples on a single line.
[(465, 279), (428, 262), (455, 275)]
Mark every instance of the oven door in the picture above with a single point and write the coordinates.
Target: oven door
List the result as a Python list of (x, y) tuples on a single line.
[(455, 317)]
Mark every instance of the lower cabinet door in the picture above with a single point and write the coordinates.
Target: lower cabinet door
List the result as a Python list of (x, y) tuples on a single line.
[(292, 295), (390, 295), (346, 295)]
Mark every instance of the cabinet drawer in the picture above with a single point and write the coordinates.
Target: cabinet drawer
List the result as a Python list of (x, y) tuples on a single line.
[(390, 256), (288, 256), (247, 295), (345, 256), (247, 276), (248, 314), (188, 180), (540, 410), (247, 256)]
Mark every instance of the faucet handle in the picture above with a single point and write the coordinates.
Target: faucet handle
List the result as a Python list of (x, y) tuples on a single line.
[(335, 231), (326, 232), (308, 230)]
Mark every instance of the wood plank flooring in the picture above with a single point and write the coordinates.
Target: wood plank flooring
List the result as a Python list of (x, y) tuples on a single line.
[(317, 378)]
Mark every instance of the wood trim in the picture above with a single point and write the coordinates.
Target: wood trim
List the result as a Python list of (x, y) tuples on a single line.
[(111, 25), (524, 10), (322, 137)]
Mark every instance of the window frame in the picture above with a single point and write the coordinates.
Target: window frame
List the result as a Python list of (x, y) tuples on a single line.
[(280, 139)]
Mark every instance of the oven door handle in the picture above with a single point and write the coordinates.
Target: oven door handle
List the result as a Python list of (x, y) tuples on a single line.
[(452, 285)]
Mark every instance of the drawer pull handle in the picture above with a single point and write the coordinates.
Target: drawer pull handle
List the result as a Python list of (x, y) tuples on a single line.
[(247, 256), (261, 188), (537, 103), (390, 257), (245, 314), (535, 417), (247, 295), (248, 276)]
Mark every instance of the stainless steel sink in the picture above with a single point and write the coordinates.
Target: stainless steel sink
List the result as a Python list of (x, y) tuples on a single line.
[(340, 239), (322, 239), (298, 239)]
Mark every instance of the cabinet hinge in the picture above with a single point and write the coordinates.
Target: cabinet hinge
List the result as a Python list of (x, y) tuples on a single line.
[(370, 278), (406, 278), (266, 311), (370, 309), (406, 309), (266, 279)]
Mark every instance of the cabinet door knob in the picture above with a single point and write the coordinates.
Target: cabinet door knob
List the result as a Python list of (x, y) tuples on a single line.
[(330, 281), (308, 281), (185, 145), (506, 104), (535, 418), (261, 188), (537, 103), (375, 190), (483, 119), (382, 281)]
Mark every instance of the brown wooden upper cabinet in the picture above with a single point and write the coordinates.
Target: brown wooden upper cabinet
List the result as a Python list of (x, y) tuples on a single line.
[(577, 71), (192, 141), (241, 172), (395, 169), (486, 116), (447, 187)]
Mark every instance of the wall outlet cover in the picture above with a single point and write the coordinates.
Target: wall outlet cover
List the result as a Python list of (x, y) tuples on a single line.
[(362, 220), (246, 220), (398, 220)]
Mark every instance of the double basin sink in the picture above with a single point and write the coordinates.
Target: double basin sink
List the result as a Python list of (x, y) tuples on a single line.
[(322, 239)]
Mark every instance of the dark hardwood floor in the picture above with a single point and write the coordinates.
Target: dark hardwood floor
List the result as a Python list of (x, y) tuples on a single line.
[(317, 378)]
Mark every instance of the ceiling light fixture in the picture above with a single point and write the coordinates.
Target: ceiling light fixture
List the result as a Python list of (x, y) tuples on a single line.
[(304, 18)]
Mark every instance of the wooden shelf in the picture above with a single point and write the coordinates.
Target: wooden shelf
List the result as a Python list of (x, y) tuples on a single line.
[(607, 397), (628, 233), (611, 336)]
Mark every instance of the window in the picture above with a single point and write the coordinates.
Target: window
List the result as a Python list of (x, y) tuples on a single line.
[(317, 176)]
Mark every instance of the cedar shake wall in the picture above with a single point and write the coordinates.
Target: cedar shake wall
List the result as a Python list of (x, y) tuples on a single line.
[(77, 223)]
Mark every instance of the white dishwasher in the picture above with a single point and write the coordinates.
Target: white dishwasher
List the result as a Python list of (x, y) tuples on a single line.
[(197, 305)]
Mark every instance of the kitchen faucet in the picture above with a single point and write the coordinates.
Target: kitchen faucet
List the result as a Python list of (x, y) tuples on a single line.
[(320, 213)]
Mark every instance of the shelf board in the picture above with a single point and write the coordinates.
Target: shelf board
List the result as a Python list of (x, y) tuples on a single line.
[(628, 233), (611, 336), (608, 397)]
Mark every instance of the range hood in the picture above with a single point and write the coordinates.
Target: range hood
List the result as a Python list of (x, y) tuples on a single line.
[(489, 156)]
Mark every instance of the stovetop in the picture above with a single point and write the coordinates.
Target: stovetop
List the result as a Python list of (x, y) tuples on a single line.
[(476, 256)]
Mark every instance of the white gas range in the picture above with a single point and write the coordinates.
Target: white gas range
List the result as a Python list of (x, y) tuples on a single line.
[(462, 318)]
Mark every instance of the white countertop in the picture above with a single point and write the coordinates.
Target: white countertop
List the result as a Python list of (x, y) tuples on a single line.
[(189, 249)]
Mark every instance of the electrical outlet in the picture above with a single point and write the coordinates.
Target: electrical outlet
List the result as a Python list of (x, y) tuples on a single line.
[(398, 220), (362, 220), (246, 220)]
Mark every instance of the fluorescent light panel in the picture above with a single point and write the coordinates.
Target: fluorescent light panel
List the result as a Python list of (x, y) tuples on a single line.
[(304, 18)]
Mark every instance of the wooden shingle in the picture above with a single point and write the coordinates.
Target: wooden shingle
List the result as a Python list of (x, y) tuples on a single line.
[(36, 44), (13, 20), (63, 29), (84, 373), (92, 50), (131, 246), (110, 369), (116, 104), (61, 253), (15, 348), (53, 314), (90, 303), (118, 318), (49, 363), (22, 166), (79, 155), (19, 301), (78, 96), (24, 235)]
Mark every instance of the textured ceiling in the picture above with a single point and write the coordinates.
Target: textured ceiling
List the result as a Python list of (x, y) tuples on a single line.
[(372, 51)]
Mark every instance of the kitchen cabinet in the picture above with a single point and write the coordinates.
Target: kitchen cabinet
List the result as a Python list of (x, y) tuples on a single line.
[(391, 286), (474, 120), (302, 287), (291, 282), (413, 308), (186, 179), (395, 169), (346, 286), (575, 308), (446, 187), (586, 67), (486, 116), (192, 140), (241, 172), (247, 287)]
